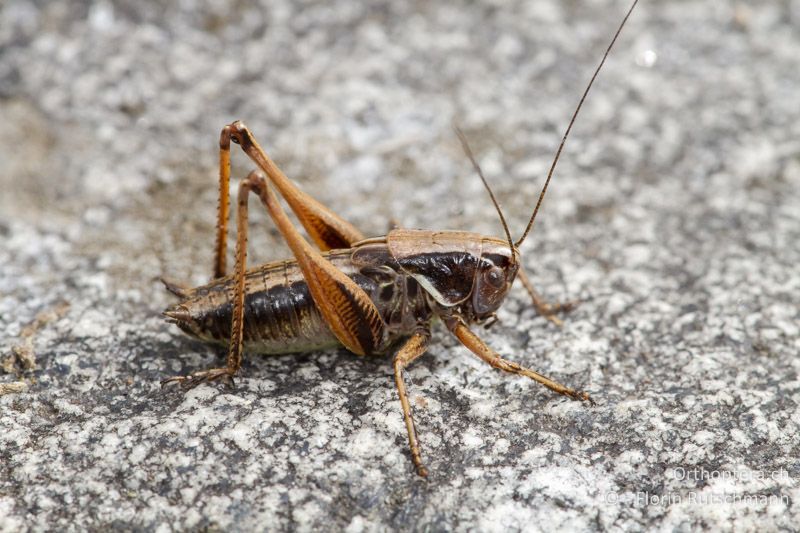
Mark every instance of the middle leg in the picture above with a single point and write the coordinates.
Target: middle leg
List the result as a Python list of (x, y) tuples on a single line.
[(411, 350)]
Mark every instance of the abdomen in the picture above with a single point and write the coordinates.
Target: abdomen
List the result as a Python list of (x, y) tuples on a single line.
[(280, 315)]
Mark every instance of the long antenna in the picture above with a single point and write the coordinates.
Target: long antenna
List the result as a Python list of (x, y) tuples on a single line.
[(465, 145), (571, 122)]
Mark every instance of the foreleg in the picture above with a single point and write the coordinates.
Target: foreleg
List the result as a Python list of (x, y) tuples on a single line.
[(479, 348), (547, 310)]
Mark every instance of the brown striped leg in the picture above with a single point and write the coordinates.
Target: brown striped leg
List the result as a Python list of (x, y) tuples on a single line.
[(544, 308), (479, 348), (327, 229), (346, 308), (413, 348), (237, 326), (223, 204)]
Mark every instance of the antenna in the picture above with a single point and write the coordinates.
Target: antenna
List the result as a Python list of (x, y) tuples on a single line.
[(477, 168), (571, 122)]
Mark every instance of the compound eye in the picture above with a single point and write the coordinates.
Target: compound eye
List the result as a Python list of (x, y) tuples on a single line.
[(495, 277)]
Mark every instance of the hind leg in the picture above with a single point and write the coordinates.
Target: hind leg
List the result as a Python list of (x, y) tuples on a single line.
[(327, 229), (234, 360), (345, 307)]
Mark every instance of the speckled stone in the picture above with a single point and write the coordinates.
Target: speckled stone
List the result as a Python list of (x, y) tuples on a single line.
[(673, 217)]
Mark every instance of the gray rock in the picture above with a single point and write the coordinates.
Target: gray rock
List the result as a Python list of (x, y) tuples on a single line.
[(673, 217)]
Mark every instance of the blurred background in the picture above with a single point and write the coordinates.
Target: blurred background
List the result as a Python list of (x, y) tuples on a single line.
[(673, 216), (111, 112)]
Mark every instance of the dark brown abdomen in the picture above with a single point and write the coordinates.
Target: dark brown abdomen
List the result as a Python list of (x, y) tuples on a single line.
[(280, 316)]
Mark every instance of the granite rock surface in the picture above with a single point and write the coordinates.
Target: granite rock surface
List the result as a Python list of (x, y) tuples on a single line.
[(674, 217)]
